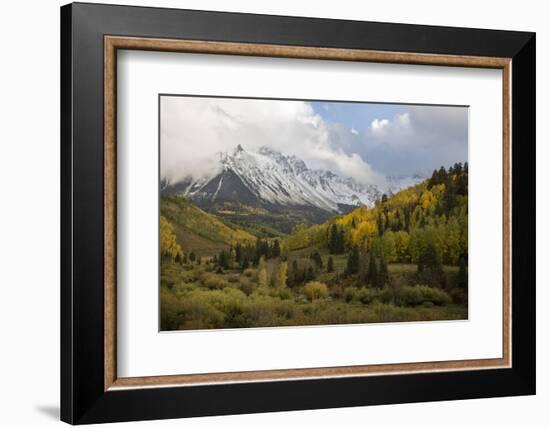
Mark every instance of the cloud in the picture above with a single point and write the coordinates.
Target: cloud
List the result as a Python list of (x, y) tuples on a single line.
[(194, 130), (419, 140), (354, 131)]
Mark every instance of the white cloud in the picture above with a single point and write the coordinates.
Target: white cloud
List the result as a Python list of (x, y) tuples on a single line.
[(399, 127), (378, 125), (195, 129), (354, 131), (419, 140)]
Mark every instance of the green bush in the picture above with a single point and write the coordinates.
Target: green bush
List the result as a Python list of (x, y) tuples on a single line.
[(350, 294), (246, 285), (419, 294), (366, 295), (213, 281)]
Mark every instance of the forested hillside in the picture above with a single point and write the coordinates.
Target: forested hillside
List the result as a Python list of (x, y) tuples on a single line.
[(405, 259), (431, 217)]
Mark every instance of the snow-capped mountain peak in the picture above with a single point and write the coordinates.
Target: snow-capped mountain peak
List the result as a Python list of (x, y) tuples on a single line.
[(268, 177)]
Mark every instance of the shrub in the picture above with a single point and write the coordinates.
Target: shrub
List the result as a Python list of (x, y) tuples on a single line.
[(435, 295), (315, 290), (350, 294), (246, 285), (409, 296), (213, 281), (250, 273), (419, 294), (366, 295), (337, 291)]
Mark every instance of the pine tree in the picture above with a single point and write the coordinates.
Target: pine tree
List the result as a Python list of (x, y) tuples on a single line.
[(238, 253), (223, 259), (353, 261), (276, 250), (462, 274), (372, 275), (333, 239), (434, 180), (192, 256), (330, 264), (309, 274), (245, 264), (317, 259)]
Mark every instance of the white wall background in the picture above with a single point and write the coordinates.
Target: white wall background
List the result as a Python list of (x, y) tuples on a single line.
[(29, 213)]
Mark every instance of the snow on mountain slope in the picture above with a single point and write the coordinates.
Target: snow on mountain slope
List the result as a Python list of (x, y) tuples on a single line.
[(269, 177)]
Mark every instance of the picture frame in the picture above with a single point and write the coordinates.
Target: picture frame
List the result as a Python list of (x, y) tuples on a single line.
[(91, 390)]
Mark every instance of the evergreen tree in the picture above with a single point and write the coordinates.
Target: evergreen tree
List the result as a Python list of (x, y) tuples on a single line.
[(353, 261), (462, 274), (178, 258), (245, 264), (442, 175), (192, 256), (372, 275), (330, 264), (276, 250), (317, 259), (223, 259), (309, 274), (333, 239), (238, 253), (433, 181)]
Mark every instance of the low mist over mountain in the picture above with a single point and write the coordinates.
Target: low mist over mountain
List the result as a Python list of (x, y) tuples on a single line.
[(279, 184)]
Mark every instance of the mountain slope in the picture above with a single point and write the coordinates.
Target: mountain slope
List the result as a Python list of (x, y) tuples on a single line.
[(401, 225), (186, 217)]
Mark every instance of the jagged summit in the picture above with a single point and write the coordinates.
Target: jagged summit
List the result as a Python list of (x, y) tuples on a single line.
[(270, 178)]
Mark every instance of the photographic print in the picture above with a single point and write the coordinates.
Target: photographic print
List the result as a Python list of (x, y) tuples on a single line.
[(279, 213)]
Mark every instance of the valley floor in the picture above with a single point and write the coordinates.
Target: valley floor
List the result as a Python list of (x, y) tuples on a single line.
[(201, 296)]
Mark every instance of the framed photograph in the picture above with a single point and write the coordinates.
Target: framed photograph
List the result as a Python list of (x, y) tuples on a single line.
[(266, 213)]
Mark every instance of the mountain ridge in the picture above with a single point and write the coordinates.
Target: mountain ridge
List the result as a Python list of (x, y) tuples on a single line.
[(268, 178)]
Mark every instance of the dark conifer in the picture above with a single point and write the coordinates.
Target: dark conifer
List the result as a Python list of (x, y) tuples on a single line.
[(372, 275), (330, 264), (462, 274)]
